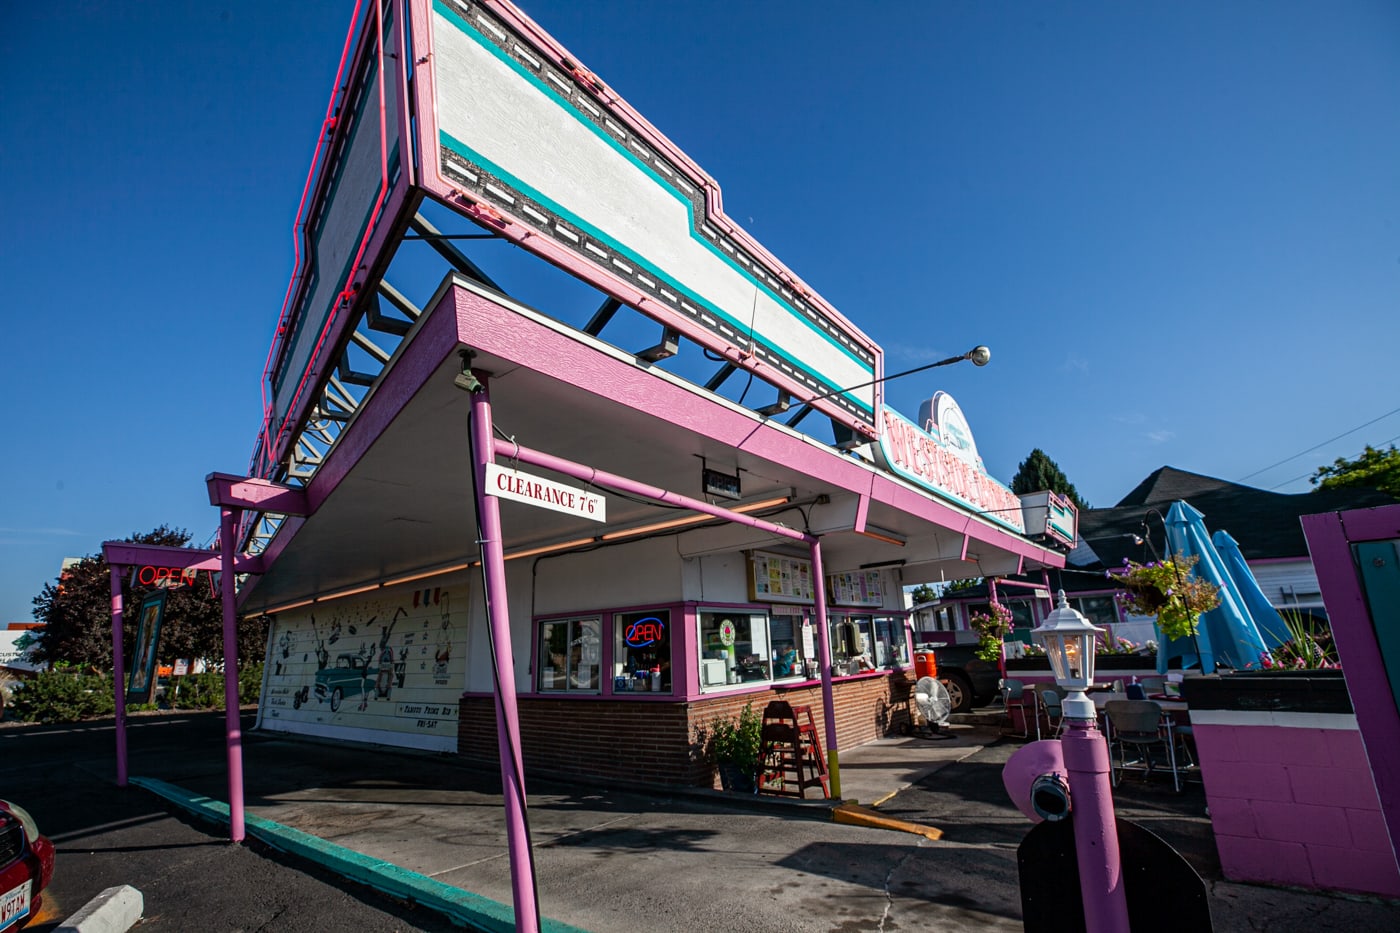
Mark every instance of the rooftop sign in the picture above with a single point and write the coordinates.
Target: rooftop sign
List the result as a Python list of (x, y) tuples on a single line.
[(942, 457)]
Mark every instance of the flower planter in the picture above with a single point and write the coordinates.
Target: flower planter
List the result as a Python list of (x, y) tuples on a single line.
[(1104, 665), (1291, 796)]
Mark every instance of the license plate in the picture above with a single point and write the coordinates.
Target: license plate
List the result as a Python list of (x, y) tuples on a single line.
[(14, 906)]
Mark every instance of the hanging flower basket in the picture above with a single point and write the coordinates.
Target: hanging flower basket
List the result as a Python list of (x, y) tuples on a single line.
[(1167, 590)]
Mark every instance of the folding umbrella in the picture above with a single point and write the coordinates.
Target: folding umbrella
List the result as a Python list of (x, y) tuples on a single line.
[(1265, 616), (1226, 636)]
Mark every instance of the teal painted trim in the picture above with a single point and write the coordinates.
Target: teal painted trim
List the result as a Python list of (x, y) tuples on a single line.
[(458, 905), (463, 150)]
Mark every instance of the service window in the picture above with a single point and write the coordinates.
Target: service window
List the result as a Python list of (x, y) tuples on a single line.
[(570, 657), (891, 646), (735, 648), (790, 653), (852, 644), (642, 651)]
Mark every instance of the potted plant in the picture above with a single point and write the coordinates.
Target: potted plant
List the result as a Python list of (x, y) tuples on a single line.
[(734, 746)]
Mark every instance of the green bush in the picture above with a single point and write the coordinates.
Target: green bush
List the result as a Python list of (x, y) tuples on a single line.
[(63, 696), (206, 691)]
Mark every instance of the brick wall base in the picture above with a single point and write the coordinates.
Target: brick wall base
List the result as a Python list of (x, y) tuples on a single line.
[(662, 743)]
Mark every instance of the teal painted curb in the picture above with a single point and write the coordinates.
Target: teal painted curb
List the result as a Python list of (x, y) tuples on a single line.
[(460, 906)]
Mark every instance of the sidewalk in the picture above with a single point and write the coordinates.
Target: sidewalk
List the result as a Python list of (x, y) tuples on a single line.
[(607, 858)]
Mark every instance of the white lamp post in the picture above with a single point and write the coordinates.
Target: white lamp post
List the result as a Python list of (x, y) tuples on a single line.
[(1068, 639)]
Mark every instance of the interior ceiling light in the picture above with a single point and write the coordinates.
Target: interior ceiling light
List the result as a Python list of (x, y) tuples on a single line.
[(879, 534)]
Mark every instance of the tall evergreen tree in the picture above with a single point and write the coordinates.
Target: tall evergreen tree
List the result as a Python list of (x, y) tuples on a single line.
[(76, 610), (1038, 472)]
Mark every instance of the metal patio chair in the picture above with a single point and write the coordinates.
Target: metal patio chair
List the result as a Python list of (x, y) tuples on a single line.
[(1140, 726), (1014, 697)]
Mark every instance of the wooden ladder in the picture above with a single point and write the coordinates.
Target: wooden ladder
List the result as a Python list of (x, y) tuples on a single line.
[(791, 752)]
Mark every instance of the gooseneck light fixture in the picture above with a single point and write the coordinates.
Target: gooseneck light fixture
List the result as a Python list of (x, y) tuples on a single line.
[(979, 355)]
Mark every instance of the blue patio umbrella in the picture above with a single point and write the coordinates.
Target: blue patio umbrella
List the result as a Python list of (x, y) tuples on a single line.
[(1265, 616), (1226, 636)]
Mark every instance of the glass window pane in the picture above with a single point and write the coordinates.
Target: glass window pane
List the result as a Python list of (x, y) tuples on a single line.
[(553, 666), (585, 655), (785, 631), (1099, 610), (642, 651)]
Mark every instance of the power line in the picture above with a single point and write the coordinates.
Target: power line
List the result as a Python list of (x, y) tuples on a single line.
[(1311, 472), (1316, 446)]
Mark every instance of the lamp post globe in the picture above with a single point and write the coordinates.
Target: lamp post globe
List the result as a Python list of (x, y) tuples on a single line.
[(1068, 639)]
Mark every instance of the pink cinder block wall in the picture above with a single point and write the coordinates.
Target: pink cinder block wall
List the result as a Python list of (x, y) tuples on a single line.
[(1292, 801)]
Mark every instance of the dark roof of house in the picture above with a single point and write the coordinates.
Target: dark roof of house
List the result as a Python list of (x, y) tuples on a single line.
[(1266, 524)]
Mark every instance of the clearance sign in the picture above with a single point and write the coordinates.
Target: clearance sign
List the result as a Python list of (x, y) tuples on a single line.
[(545, 494)]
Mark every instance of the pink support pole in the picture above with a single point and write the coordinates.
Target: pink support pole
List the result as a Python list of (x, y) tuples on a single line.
[(233, 734), (522, 868), (118, 671), (1095, 828), (833, 758)]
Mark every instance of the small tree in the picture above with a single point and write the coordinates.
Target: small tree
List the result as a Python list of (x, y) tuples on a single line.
[(923, 593), (1374, 469), (1038, 472)]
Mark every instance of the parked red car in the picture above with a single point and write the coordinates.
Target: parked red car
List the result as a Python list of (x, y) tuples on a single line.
[(26, 866)]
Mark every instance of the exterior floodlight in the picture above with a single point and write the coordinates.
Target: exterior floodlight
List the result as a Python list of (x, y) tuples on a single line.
[(1068, 639), (979, 355), (466, 380), (783, 403), (668, 347)]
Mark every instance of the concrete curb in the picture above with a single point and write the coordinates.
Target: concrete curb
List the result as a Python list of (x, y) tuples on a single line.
[(862, 816), (463, 907), (115, 910)]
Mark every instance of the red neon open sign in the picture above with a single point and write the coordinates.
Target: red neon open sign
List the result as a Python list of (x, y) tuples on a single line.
[(645, 632), (165, 576)]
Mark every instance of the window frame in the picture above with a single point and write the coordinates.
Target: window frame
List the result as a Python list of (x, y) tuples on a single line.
[(573, 625)]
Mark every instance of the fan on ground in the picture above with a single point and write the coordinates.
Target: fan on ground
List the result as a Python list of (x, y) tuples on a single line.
[(931, 707)]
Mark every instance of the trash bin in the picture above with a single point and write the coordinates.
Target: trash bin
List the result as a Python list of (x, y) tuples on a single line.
[(925, 664)]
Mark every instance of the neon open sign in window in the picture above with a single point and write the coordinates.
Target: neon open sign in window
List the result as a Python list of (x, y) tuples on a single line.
[(645, 632)]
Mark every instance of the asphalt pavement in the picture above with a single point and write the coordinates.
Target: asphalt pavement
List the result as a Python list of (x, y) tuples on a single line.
[(606, 858)]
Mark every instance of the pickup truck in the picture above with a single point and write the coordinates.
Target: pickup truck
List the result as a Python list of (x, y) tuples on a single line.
[(970, 680)]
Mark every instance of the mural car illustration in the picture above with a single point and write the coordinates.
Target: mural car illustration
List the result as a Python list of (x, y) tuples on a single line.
[(350, 677)]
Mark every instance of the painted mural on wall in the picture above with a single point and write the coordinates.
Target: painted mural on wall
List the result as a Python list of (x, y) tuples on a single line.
[(386, 664)]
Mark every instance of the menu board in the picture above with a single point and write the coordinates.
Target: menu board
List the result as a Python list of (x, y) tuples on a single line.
[(774, 578), (855, 588)]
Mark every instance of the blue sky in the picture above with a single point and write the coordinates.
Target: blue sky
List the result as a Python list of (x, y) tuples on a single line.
[(1177, 225)]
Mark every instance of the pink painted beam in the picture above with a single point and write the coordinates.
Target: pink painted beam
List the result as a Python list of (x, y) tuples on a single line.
[(118, 670), (256, 495)]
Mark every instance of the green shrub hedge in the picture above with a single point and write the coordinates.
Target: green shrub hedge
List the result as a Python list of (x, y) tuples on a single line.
[(66, 696)]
